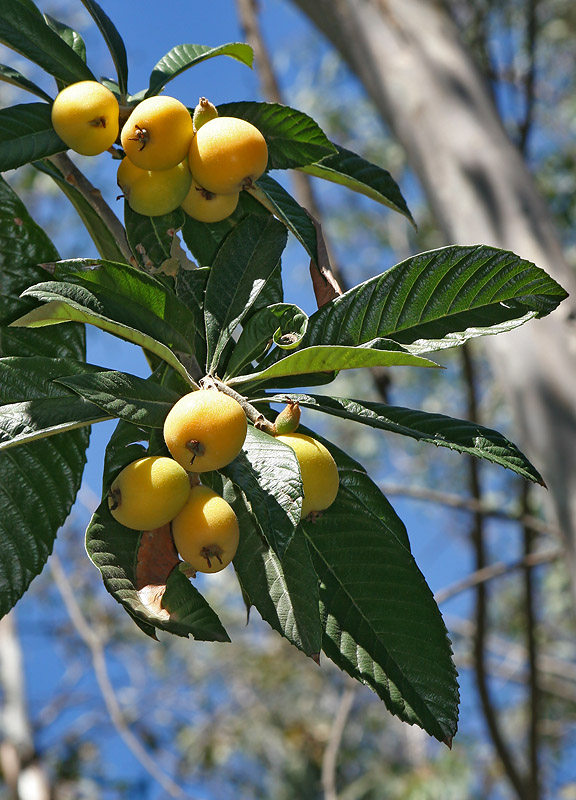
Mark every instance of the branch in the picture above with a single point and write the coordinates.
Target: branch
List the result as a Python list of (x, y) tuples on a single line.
[(93, 196), (495, 571), (330, 756), (96, 647), (479, 648)]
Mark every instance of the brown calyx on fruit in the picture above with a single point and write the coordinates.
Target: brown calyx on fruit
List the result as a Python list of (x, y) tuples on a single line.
[(140, 135), (114, 499), (196, 448), (212, 551), (98, 122)]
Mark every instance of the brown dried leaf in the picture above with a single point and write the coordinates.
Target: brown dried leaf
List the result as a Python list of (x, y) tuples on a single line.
[(157, 557)]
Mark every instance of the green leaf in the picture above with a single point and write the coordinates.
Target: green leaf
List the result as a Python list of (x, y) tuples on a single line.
[(190, 289), (332, 358), (282, 324), (182, 610), (382, 625), (284, 592), (113, 40), (10, 75), (26, 134), (277, 200), (251, 254), (293, 138), (69, 35), (184, 56), (438, 429), (65, 302), (204, 239), (34, 407), (267, 472), (439, 299), (151, 238), (350, 170), (98, 229), (24, 30), (39, 480), (128, 397)]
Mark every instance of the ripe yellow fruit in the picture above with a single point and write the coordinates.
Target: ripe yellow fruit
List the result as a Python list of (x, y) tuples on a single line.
[(318, 469), (153, 192), (158, 133), (85, 117), (205, 430), (227, 154), (207, 207), (206, 532), (148, 493)]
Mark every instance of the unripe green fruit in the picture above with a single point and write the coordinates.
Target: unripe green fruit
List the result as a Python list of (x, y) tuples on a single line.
[(153, 193), (158, 133), (85, 117), (227, 154), (204, 112), (206, 531), (148, 493), (207, 207), (205, 430), (287, 420), (318, 469)]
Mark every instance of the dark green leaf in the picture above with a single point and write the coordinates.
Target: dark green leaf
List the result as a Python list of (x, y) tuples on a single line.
[(34, 407), (331, 358), (113, 40), (382, 625), (293, 138), (125, 396), (26, 134), (64, 302), (184, 56), (284, 592), (267, 472), (282, 324), (69, 35), (181, 609), (10, 75), (439, 299), (277, 200), (438, 429), (151, 238), (39, 480), (251, 254), (25, 30), (352, 171), (97, 227), (204, 239)]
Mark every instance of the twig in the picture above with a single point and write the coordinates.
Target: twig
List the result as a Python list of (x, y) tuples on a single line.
[(255, 416), (470, 504), (530, 81), (96, 647), (495, 571), (479, 644), (330, 756), (533, 780), (93, 196)]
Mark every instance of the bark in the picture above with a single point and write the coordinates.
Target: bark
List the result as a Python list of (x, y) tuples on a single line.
[(410, 58)]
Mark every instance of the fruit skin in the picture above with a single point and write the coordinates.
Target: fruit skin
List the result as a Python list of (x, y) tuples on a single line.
[(205, 430), (318, 469), (148, 493), (207, 207), (153, 193), (206, 531), (157, 134), (85, 117), (227, 154)]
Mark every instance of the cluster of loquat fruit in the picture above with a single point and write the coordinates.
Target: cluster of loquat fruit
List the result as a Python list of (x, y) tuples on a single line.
[(200, 162), (205, 431)]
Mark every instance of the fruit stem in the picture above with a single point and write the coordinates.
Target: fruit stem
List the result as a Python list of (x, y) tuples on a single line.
[(255, 416)]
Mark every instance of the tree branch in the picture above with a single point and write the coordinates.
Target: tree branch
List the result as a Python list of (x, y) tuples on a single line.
[(96, 648), (330, 756)]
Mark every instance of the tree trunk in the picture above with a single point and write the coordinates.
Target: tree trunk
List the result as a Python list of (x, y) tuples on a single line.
[(409, 56)]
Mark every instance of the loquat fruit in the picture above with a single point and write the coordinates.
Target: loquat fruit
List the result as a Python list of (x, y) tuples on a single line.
[(85, 117), (318, 469), (157, 134)]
